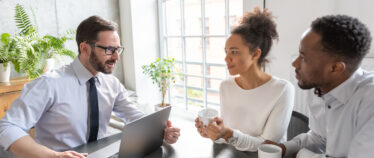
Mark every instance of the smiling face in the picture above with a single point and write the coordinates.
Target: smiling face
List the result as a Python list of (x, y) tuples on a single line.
[(313, 65), (98, 60), (238, 58)]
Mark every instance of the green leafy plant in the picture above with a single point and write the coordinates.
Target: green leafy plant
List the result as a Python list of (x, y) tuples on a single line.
[(4, 49), (32, 49), (162, 73), (10, 48), (23, 21)]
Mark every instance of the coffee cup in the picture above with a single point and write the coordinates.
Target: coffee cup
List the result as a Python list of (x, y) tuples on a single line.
[(269, 151), (206, 115)]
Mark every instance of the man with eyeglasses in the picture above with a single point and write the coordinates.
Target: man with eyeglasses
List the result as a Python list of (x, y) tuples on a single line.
[(72, 105)]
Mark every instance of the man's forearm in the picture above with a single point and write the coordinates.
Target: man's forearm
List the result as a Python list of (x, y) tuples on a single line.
[(27, 147), (310, 140)]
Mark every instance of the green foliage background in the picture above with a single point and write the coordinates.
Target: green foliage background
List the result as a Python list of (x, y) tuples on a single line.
[(28, 51)]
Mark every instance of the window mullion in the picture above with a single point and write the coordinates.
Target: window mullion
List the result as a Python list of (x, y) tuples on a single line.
[(204, 52), (227, 18), (183, 42), (161, 25), (227, 10)]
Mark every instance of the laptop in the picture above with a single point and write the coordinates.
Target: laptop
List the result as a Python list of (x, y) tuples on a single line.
[(139, 138)]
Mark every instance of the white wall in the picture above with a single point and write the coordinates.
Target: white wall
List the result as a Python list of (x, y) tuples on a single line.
[(293, 17), (248, 5), (139, 22), (363, 10)]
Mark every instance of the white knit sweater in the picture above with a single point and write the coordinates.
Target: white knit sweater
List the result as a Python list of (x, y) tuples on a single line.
[(258, 114)]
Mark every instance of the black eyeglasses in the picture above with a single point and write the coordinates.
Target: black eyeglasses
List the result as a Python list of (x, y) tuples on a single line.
[(109, 50)]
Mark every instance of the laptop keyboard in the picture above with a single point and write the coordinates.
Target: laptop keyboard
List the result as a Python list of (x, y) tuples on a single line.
[(114, 156)]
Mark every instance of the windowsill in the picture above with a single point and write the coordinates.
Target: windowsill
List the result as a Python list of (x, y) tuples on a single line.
[(181, 113)]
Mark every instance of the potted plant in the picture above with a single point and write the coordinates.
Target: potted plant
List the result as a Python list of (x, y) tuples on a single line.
[(53, 47), (9, 53), (34, 51), (6, 48), (162, 72)]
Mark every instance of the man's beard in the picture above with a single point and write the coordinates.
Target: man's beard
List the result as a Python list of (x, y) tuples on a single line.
[(97, 65), (317, 91), (302, 84), (306, 86)]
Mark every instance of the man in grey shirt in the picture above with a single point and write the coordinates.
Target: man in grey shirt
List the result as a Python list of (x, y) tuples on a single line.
[(72, 105), (341, 117)]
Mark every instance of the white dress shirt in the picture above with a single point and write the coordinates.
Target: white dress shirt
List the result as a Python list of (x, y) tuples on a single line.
[(257, 114), (56, 104), (341, 122)]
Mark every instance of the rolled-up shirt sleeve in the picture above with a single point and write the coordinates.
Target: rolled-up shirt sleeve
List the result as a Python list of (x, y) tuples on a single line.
[(124, 108), (310, 141), (305, 153), (25, 111)]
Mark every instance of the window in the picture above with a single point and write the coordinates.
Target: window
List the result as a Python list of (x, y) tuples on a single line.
[(194, 33)]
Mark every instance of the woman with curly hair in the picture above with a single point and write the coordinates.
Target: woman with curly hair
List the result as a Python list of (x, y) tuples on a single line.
[(255, 106)]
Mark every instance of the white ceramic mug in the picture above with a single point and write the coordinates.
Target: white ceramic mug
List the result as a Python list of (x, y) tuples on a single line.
[(269, 151), (206, 115)]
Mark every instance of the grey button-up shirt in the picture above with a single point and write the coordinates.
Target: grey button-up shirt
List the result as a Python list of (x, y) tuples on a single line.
[(341, 122)]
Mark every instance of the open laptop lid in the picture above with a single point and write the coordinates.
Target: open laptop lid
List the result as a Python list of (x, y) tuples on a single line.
[(144, 135)]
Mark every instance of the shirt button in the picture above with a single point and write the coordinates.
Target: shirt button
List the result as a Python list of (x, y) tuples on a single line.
[(329, 106)]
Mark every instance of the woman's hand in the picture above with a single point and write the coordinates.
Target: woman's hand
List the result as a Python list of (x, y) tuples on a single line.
[(200, 128), (216, 129)]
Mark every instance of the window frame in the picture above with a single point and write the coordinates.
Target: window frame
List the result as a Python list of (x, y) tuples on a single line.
[(163, 37)]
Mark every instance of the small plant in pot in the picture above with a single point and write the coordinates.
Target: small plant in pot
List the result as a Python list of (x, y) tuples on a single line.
[(7, 55), (162, 73)]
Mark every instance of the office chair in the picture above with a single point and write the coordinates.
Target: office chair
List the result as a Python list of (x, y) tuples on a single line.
[(298, 124)]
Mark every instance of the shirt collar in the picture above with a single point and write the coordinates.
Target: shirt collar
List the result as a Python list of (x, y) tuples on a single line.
[(81, 72), (345, 90)]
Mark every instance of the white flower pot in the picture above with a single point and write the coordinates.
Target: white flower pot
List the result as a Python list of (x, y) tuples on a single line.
[(158, 107), (4, 73), (49, 65)]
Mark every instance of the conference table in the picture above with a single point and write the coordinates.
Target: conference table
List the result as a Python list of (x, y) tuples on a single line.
[(165, 151), (189, 145), (172, 151)]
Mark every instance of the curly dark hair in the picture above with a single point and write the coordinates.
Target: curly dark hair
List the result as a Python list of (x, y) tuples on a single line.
[(258, 30), (343, 37), (89, 28)]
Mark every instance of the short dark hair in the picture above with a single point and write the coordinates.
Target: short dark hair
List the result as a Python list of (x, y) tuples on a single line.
[(343, 37), (258, 30), (89, 28)]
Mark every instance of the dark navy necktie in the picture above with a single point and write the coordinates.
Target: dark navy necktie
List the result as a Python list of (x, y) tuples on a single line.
[(94, 111)]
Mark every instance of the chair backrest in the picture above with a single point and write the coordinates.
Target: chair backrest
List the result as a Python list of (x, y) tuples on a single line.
[(298, 124)]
